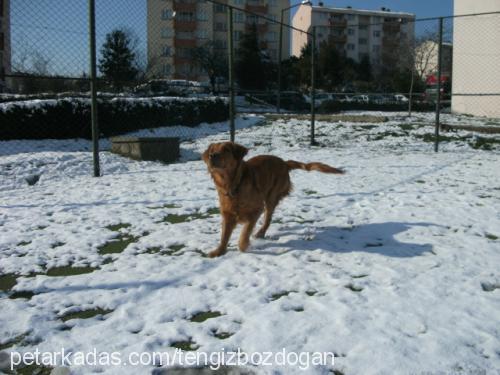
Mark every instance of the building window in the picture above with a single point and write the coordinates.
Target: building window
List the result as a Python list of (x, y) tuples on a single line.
[(167, 69), (376, 33), (350, 31), (185, 16), (273, 3), (202, 34), (202, 15), (237, 35), (239, 17), (376, 48), (166, 14), (239, 2), (220, 26), (220, 8), (363, 41), (363, 27), (166, 51), (166, 32), (271, 36), (184, 35), (220, 44), (351, 17), (350, 47)]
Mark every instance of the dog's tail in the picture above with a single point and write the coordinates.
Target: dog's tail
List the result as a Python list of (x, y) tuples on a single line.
[(320, 167)]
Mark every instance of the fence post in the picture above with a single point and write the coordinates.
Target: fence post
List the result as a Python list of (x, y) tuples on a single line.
[(280, 52), (313, 85), (93, 90), (230, 51), (438, 99)]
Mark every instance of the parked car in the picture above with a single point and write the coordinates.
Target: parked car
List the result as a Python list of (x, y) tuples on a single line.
[(400, 99), (361, 99)]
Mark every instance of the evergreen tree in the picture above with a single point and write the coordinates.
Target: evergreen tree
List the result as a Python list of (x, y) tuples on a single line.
[(249, 67), (117, 63)]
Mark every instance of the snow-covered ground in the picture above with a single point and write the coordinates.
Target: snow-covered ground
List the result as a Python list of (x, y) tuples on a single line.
[(394, 267)]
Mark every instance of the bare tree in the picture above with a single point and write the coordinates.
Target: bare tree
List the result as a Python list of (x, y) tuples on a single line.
[(210, 61)]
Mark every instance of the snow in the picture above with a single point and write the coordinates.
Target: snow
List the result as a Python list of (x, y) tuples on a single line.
[(401, 254)]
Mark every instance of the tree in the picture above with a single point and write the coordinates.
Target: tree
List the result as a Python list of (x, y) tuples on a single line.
[(210, 61), (117, 63), (249, 67)]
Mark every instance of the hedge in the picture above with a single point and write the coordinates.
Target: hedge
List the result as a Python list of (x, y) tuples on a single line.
[(330, 106), (70, 117)]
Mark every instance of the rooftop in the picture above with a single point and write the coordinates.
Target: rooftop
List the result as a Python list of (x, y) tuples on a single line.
[(384, 13)]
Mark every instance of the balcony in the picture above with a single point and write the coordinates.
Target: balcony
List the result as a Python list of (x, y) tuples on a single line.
[(261, 27), (184, 6), (338, 23), (390, 41), (391, 27), (256, 8), (184, 43), (180, 25)]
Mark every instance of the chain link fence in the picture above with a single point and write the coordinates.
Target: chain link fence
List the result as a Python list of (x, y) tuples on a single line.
[(163, 68)]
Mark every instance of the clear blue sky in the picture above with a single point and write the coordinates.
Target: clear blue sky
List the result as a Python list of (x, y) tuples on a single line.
[(58, 28)]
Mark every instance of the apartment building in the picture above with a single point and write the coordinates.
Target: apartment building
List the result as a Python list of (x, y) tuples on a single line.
[(356, 33), (4, 42), (476, 59), (175, 27)]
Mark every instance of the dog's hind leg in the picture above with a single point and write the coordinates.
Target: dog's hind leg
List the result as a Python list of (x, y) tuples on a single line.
[(246, 232)]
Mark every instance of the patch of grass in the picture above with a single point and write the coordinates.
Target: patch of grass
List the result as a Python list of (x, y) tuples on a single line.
[(491, 236), (27, 294), (483, 143), (298, 309), (222, 335), (57, 244), (167, 205), (70, 271), (310, 192), (204, 315), (277, 296), (489, 287), (8, 281), (380, 136), (33, 370), (420, 181), (117, 245), (84, 314), (359, 276), (23, 243), (172, 250), (14, 341), (176, 219), (430, 137), (354, 288), (185, 345), (311, 293), (117, 227)]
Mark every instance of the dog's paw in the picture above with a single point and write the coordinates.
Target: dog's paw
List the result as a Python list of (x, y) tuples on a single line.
[(215, 253)]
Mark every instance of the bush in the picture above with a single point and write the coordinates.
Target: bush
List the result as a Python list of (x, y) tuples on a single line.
[(70, 117)]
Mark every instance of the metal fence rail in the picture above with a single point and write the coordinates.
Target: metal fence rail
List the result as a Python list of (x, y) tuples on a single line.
[(92, 53)]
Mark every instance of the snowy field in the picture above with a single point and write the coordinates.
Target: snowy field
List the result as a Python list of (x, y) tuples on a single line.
[(394, 267)]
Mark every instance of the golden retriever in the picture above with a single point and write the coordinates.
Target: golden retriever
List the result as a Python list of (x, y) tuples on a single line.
[(247, 188)]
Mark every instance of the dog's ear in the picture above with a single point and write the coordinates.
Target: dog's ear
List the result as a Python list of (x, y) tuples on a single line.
[(239, 151), (205, 155)]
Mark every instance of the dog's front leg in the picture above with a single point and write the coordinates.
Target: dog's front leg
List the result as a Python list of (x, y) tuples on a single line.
[(228, 224)]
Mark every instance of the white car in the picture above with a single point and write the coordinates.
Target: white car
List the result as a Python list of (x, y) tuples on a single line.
[(361, 99), (400, 98)]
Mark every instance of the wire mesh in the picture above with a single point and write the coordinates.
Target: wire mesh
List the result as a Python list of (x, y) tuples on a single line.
[(163, 66)]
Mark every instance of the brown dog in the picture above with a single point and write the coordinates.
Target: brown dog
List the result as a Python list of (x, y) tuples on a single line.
[(247, 188)]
